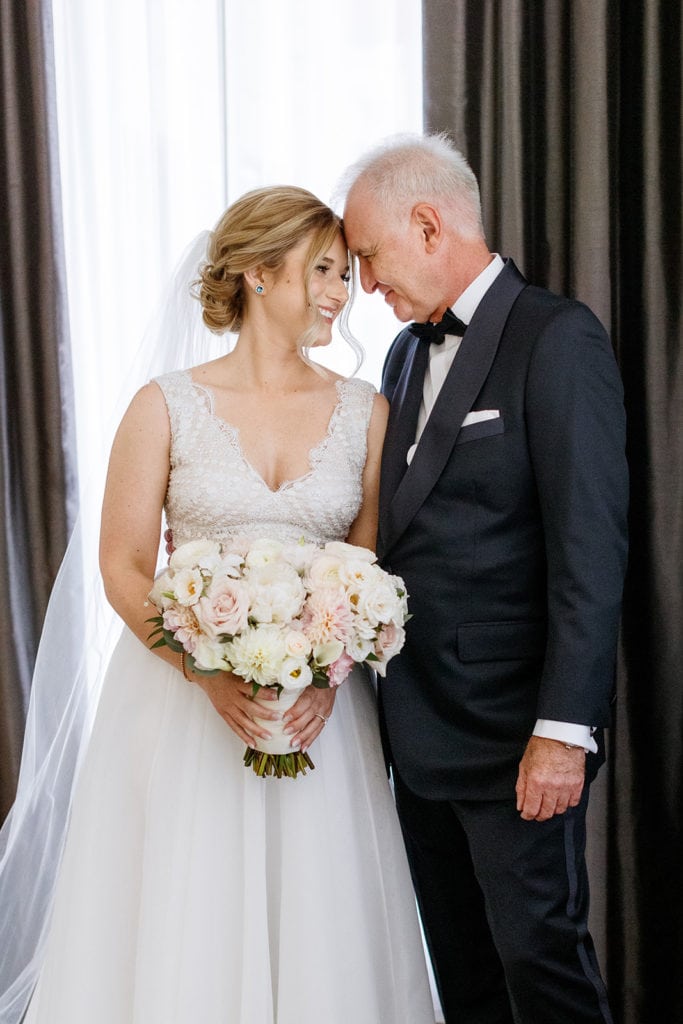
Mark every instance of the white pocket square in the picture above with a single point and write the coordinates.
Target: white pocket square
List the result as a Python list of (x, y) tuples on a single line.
[(479, 415)]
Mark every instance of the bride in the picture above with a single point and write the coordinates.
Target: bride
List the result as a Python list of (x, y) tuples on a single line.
[(189, 889)]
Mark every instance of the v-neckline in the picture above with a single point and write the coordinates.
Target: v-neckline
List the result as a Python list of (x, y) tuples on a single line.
[(314, 453)]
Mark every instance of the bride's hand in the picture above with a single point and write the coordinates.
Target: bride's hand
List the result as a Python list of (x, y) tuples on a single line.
[(306, 719), (232, 699)]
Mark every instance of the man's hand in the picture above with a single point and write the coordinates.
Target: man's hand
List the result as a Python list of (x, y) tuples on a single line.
[(550, 779)]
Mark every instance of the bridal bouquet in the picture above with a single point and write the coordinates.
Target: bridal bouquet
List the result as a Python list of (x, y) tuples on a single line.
[(279, 615)]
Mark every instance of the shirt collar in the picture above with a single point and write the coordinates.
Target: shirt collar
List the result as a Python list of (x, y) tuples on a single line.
[(464, 307)]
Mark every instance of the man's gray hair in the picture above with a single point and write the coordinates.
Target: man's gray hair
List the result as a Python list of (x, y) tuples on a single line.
[(420, 168)]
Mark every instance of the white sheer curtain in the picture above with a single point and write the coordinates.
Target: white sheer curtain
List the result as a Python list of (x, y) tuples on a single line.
[(170, 109), (142, 154)]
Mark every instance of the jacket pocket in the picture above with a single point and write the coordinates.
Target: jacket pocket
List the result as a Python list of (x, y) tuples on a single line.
[(485, 428), (501, 641)]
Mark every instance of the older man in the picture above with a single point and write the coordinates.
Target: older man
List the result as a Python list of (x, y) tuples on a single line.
[(503, 506)]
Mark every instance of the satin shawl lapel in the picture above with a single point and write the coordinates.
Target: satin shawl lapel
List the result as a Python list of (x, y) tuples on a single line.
[(402, 424), (456, 398)]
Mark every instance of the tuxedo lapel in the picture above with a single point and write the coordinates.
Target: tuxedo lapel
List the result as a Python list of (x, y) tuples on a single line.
[(458, 394), (402, 424)]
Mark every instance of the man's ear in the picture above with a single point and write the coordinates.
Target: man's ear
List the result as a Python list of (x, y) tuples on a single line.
[(428, 220)]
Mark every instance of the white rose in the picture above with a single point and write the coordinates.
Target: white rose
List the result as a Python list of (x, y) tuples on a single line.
[(257, 654), (209, 654), (402, 600), (350, 552), (204, 554), (324, 571), (188, 585), (359, 647), (357, 573), (297, 644), (300, 555), (264, 551), (363, 629), (378, 602), (276, 592), (295, 674), (230, 565)]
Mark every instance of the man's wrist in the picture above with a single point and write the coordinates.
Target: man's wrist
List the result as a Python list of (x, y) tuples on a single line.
[(567, 733)]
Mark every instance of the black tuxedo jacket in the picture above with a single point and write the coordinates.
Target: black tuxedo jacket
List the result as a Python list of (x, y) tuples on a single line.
[(510, 534)]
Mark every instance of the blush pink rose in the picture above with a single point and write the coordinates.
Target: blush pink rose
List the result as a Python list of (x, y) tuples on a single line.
[(389, 642), (224, 608)]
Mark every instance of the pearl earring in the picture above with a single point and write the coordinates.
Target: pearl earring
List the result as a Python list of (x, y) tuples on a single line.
[(259, 289)]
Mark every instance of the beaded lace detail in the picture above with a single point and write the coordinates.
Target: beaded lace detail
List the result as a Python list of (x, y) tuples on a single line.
[(214, 492)]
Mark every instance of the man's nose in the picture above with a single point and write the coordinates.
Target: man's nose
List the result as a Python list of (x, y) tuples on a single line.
[(367, 278)]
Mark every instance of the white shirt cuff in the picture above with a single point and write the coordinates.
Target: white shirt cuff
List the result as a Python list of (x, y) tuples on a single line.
[(567, 732)]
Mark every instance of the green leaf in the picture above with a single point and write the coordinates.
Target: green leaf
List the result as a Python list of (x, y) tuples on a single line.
[(320, 682), (171, 642), (192, 664)]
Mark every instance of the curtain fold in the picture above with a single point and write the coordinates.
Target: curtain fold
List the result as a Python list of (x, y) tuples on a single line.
[(36, 426), (570, 114), (650, 854)]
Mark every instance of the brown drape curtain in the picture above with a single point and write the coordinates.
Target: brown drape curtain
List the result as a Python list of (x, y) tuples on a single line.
[(35, 417), (570, 114)]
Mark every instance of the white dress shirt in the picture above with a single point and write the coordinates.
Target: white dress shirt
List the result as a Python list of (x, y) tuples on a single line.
[(441, 358)]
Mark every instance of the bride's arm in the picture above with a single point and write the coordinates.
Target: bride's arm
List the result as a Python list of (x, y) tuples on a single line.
[(131, 512), (129, 540)]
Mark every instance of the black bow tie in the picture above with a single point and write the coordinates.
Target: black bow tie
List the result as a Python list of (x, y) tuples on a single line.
[(435, 333)]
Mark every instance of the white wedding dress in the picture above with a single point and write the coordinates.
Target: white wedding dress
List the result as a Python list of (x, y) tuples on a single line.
[(191, 891)]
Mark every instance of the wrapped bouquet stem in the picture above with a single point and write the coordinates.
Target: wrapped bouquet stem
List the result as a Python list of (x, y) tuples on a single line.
[(279, 615), (276, 756)]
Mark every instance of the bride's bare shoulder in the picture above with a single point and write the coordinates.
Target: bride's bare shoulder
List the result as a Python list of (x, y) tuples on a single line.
[(215, 372), (147, 411)]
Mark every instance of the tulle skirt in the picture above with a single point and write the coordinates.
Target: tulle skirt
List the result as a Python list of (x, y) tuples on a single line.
[(191, 890)]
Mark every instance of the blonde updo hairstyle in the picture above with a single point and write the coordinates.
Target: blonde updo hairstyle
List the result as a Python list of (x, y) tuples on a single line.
[(259, 230)]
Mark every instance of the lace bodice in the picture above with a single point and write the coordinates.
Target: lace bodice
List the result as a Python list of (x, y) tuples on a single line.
[(213, 491)]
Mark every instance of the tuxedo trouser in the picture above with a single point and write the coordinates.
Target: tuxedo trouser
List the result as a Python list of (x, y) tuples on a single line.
[(504, 904)]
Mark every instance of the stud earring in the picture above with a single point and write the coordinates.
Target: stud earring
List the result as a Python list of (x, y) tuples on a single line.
[(259, 289)]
